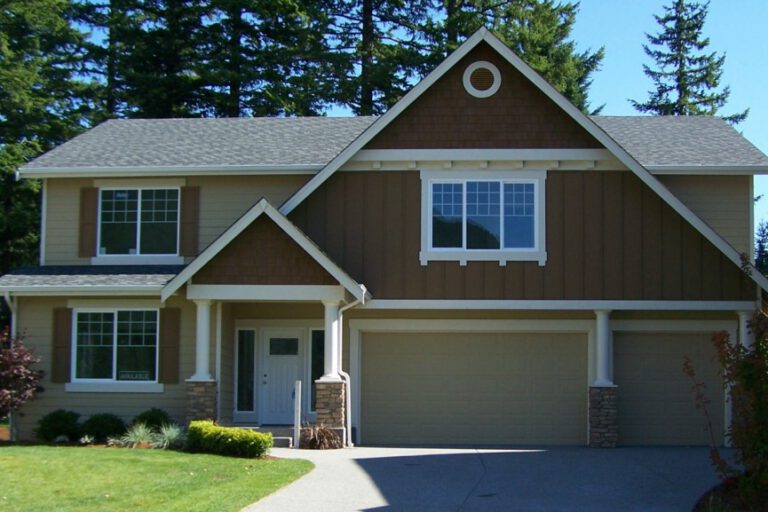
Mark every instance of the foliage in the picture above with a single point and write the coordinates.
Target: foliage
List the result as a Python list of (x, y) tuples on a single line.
[(687, 75), (59, 423), (138, 435), (745, 375), (319, 437), (170, 436), (153, 418), (103, 426), (761, 248), (19, 382), (81, 479), (205, 436)]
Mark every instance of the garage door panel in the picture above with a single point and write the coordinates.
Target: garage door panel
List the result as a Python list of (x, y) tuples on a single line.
[(656, 402), (467, 388)]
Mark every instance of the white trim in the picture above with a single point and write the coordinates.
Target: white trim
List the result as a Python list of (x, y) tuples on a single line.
[(217, 371), (164, 170), (117, 183), (726, 170), (138, 259), (476, 155), (471, 89), (537, 253), (357, 327), (202, 342), (114, 387), (43, 222), (562, 305), (590, 126), (251, 292), (83, 290), (263, 207)]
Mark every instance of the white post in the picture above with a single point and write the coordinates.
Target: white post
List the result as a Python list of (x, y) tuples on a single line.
[(203, 342), (296, 413), (331, 342), (745, 337), (604, 341)]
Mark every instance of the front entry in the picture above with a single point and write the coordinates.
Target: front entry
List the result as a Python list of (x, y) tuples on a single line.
[(281, 367)]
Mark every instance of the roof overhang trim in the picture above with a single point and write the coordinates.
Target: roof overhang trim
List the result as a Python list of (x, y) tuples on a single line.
[(169, 170)]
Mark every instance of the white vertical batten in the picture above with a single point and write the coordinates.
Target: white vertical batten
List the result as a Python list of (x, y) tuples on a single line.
[(203, 342), (603, 352), (332, 353), (43, 214)]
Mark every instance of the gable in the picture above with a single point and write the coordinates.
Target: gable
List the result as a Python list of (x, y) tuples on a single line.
[(263, 254), (518, 116)]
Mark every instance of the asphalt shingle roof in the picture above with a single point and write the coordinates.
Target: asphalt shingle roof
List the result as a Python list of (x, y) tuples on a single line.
[(207, 142), (681, 140), (188, 143), (96, 275)]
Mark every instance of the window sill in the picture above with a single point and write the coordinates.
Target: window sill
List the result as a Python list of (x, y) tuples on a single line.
[(137, 259), (114, 387), (492, 255)]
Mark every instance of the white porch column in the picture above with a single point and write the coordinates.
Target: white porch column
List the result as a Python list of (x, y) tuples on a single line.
[(331, 342), (203, 342), (604, 348), (745, 337)]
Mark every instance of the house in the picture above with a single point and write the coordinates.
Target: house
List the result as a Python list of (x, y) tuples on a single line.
[(483, 264)]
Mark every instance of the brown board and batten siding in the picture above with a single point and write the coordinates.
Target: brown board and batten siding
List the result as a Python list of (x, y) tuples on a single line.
[(518, 116), (609, 236), (263, 254)]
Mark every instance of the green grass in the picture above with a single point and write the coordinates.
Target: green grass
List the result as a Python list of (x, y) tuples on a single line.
[(110, 479)]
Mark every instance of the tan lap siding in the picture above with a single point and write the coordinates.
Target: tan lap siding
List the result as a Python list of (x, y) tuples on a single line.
[(36, 321), (63, 220), (471, 388), (656, 404)]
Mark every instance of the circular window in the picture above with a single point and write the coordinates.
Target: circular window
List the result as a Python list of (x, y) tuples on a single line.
[(482, 79)]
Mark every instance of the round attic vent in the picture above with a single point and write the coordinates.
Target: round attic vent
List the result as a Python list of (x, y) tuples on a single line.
[(482, 79)]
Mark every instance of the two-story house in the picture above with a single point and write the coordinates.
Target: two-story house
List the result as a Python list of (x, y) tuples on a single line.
[(483, 264)]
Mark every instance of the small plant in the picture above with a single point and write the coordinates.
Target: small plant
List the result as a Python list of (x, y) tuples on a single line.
[(138, 436), (153, 418), (19, 383), (86, 439), (58, 424), (205, 436), (103, 426), (170, 436), (319, 437)]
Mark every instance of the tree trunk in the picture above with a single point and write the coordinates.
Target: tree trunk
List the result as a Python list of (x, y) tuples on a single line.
[(234, 78)]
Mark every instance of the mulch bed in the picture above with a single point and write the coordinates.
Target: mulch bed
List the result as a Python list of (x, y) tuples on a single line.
[(5, 434), (721, 498)]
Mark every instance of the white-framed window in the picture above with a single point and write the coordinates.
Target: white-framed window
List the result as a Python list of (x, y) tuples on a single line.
[(115, 345), (138, 222), (483, 216)]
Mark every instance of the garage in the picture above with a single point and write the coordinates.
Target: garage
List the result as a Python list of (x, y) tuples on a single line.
[(432, 389), (656, 402)]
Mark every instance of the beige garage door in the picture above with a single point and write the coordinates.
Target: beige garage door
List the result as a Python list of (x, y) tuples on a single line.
[(474, 389), (656, 403)]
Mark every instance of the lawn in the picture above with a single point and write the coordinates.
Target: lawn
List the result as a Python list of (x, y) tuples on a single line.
[(111, 479)]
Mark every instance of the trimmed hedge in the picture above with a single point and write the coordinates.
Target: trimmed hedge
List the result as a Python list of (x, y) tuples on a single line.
[(103, 426), (153, 418), (205, 436), (59, 423)]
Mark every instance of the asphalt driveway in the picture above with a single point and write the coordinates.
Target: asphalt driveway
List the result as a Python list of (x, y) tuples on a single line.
[(378, 479)]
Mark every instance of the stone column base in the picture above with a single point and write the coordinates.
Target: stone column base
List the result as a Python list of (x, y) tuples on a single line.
[(201, 400), (603, 418), (331, 405)]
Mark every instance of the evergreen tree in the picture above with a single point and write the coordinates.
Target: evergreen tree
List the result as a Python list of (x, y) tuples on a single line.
[(537, 30), (761, 248), (687, 77)]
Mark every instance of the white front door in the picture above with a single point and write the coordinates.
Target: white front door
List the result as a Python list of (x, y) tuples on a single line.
[(281, 367)]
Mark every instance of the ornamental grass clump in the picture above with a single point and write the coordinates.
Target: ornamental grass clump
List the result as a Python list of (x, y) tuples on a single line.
[(168, 437), (319, 437), (138, 436), (205, 436)]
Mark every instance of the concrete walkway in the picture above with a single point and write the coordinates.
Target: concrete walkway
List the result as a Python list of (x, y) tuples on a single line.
[(378, 479)]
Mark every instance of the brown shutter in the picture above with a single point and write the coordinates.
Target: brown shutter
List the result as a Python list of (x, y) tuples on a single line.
[(89, 210), (170, 326), (62, 345), (190, 214)]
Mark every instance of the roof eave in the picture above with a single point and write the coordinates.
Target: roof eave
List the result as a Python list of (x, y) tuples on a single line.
[(729, 170), (84, 290), (163, 170)]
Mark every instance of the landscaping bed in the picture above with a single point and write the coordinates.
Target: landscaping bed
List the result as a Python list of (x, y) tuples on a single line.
[(112, 479)]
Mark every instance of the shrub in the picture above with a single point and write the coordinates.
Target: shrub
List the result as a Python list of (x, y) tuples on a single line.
[(59, 423), (319, 437), (169, 436), (103, 426), (138, 436), (205, 436), (153, 418), (19, 383)]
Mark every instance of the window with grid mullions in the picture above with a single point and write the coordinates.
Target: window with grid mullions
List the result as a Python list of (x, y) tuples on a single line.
[(140, 221)]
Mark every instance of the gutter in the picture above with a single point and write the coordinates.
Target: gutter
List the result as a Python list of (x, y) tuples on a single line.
[(344, 375), (163, 170)]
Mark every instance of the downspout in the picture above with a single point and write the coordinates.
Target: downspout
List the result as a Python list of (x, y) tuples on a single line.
[(344, 375)]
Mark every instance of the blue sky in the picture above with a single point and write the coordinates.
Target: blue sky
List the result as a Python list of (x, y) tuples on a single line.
[(735, 27)]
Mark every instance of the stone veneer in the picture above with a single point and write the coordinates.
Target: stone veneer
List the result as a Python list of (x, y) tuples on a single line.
[(201, 400), (330, 404), (603, 420)]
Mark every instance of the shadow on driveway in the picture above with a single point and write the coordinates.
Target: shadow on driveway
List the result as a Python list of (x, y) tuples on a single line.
[(389, 479)]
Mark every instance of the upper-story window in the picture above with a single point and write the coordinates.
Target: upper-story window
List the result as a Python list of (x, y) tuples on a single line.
[(139, 221), (483, 215)]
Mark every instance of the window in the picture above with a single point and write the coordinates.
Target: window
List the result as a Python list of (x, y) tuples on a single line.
[(492, 216), (318, 363), (138, 221), (116, 345)]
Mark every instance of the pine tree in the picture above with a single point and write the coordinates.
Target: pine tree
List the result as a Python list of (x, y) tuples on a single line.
[(537, 30), (687, 77), (761, 248)]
